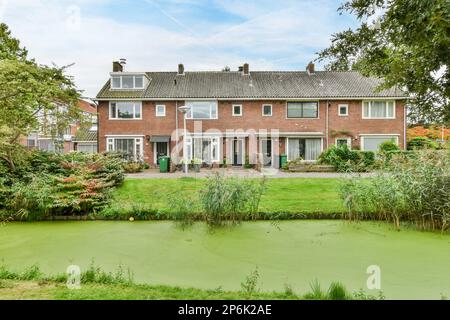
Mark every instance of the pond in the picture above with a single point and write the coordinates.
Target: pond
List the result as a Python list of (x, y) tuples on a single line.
[(413, 264)]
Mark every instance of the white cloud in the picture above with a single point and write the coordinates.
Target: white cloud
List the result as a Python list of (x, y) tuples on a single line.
[(267, 39)]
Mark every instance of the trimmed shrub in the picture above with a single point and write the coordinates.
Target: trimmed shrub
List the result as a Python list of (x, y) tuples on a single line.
[(133, 167), (420, 143), (345, 160), (388, 146)]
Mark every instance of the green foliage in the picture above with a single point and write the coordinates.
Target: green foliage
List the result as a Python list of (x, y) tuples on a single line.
[(182, 209), (415, 189), (388, 146), (407, 46), (48, 184), (33, 98), (337, 291), (133, 167), (250, 285), (230, 198), (345, 160), (419, 143)]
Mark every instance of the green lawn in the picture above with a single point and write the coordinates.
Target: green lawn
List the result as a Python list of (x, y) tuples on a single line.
[(48, 290), (413, 264), (288, 195)]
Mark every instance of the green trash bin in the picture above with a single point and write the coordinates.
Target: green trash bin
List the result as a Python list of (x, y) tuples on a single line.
[(164, 164), (283, 160)]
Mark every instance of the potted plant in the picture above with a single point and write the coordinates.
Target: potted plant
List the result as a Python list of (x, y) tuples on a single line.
[(183, 165), (197, 164)]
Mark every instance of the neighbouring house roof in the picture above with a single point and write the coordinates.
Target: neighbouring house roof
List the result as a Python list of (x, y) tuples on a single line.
[(257, 85), (87, 106), (85, 135)]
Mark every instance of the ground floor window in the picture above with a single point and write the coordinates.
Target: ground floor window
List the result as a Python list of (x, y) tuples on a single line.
[(344, 142), (87, 147), (372, 143), (304, 148), (203, 148), (131, 147)]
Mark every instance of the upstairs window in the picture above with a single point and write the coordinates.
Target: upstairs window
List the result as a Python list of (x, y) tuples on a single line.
[(343, 110), (160, 110), (125, 110), (237, 110), (267, 110), (378, 110), (127, 82), (303, 110), (202, 110)]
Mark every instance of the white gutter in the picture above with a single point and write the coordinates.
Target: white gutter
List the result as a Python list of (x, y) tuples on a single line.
[(251, 99)]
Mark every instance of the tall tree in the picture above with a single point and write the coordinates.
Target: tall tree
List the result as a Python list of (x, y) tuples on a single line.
[(404, 42), (33, 98)]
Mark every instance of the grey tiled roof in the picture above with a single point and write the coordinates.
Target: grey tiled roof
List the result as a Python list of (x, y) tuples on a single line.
[(85, 135), (259, 85)]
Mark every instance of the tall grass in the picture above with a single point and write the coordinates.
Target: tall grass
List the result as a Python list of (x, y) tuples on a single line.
[(230, 198), (415, 189)]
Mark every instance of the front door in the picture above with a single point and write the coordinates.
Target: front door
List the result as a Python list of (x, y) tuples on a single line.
[(238, 152), (266, 150), (161, 150)]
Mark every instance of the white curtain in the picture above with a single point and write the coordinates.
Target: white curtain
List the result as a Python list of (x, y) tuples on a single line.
[(293, 149), (313, 149), (378, 109)]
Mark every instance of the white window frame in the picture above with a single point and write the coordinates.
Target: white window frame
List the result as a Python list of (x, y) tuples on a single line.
[(116, 116), (339, 110), (349, 142), (370, 107), (212, 103), (240, 110), (215, 141), (271, 110), (120, 76), (163, 114), (393, 135), (138, 141)]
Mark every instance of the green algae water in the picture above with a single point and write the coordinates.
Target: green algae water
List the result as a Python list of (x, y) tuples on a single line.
[(413, 264)]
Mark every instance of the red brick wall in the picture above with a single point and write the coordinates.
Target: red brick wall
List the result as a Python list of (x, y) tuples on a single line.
[(251, 119), (356, 125)]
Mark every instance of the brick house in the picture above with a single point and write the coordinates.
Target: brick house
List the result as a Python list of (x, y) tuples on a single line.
[(245, 116), (72, 139)]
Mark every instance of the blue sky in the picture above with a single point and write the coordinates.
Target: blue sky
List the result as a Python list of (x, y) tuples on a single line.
[(156, 35)]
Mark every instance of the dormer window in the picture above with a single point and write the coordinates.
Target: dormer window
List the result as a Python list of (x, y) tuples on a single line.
[(127, 81)]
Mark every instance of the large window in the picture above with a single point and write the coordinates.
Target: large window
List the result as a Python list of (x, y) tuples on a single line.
[(125, 110), (127, 82), (203, 148), (202, 110), (378, 110), (303, 110), (372, 143), (305, 149), (132, 148)]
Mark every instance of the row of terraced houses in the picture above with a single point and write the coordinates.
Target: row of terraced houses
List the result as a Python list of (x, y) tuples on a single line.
[(245, 116)]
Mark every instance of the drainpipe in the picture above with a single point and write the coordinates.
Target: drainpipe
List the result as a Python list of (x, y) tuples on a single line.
[(326, 125), (176, 129), (404, 124)]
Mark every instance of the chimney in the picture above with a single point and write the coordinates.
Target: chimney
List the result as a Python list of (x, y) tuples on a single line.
[(310, 68), (246, 70), (117, 66), (180, 69)]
